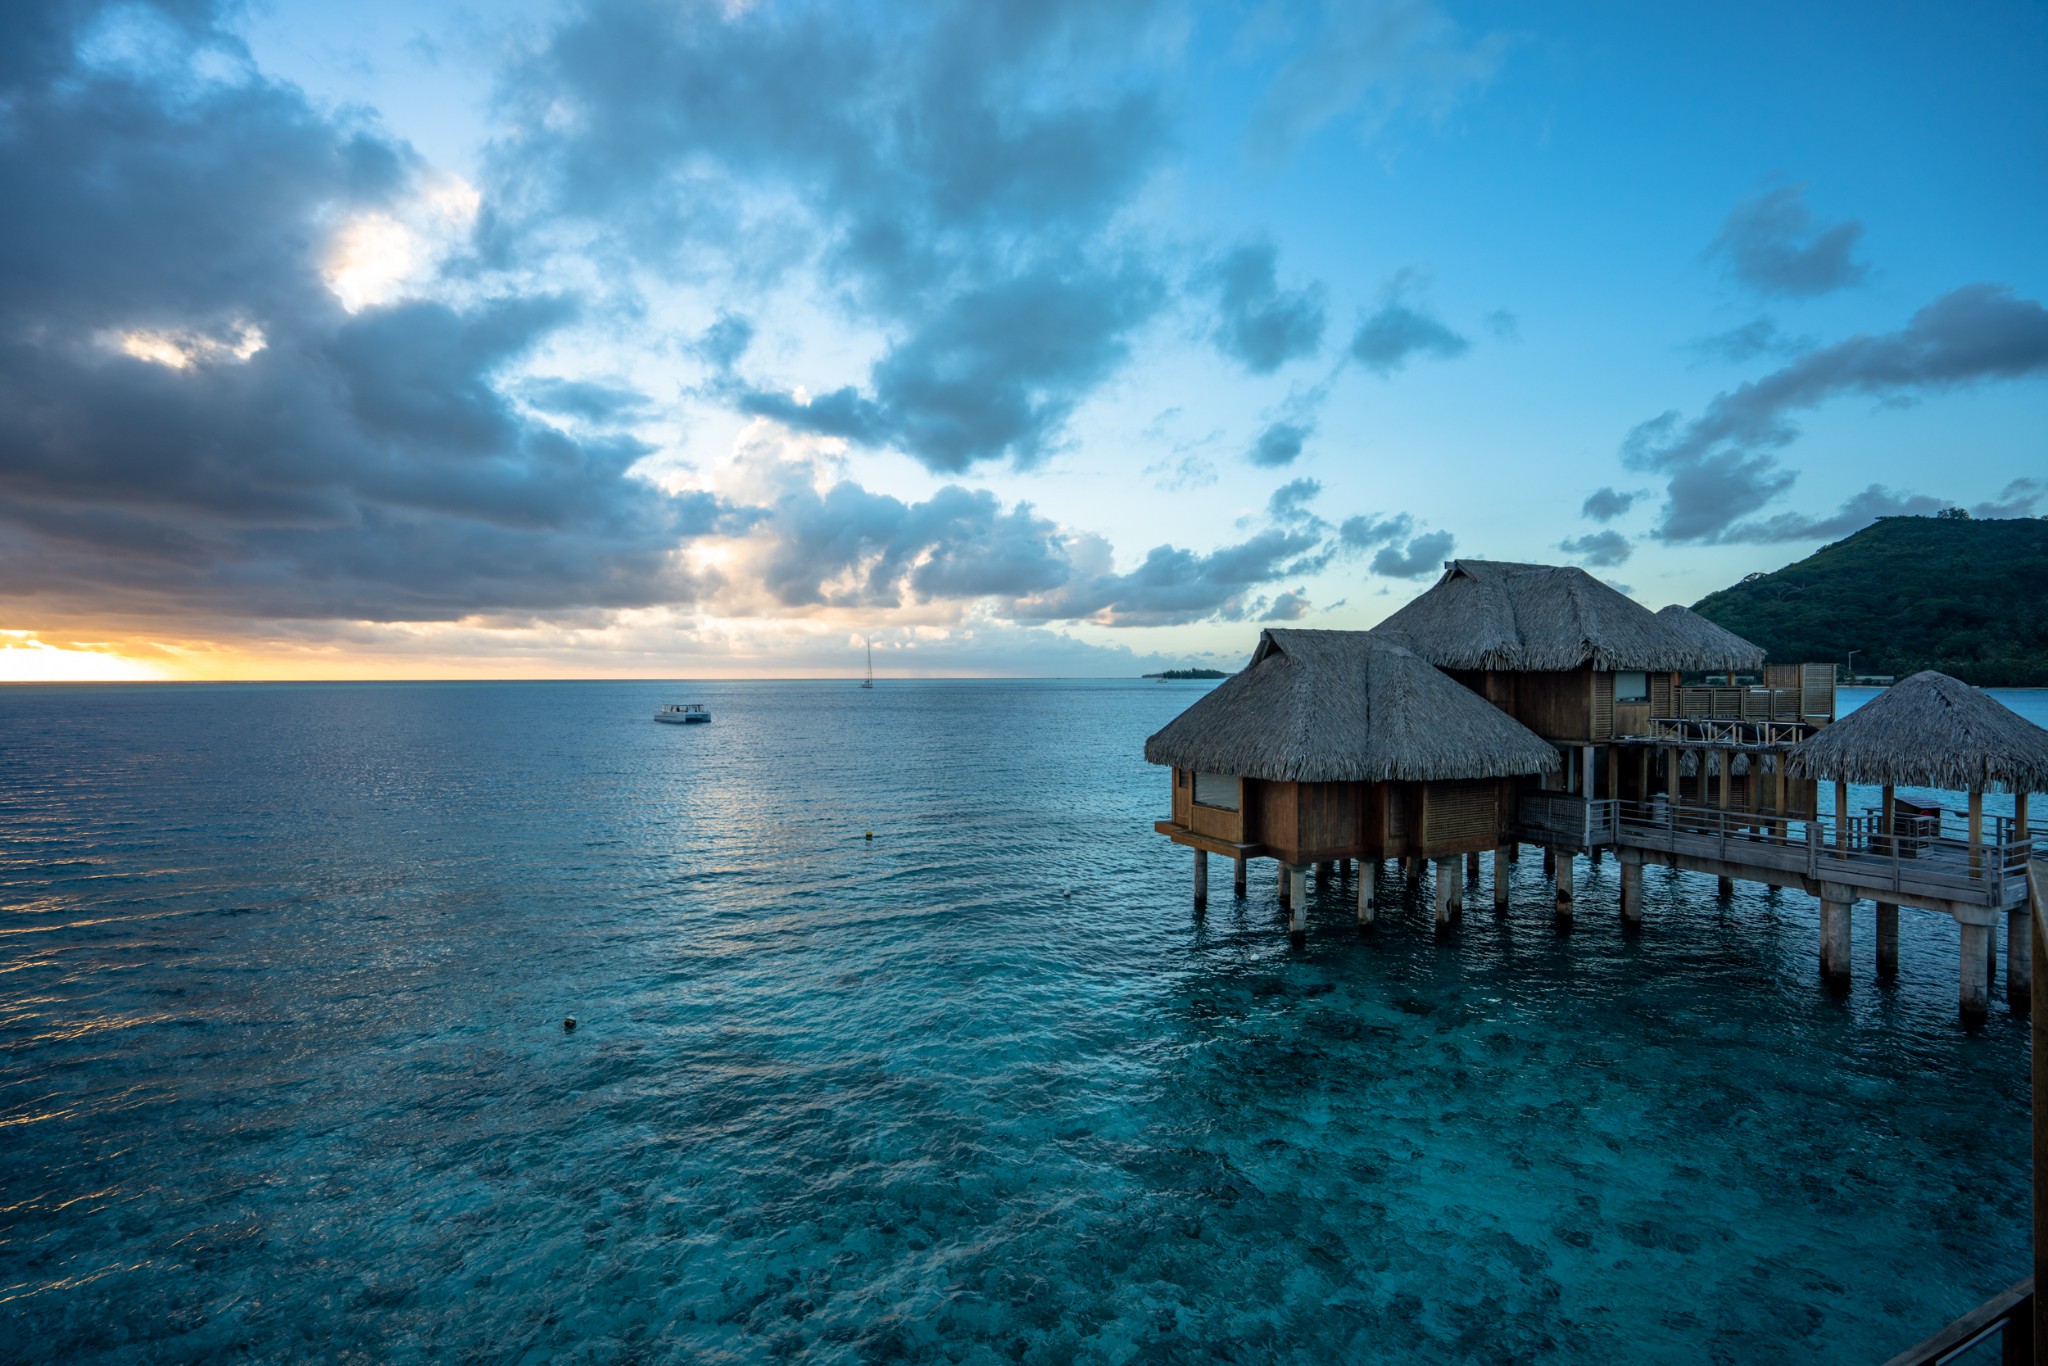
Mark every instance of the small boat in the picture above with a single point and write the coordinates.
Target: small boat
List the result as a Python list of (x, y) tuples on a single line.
[(871, 666), (681, 713)]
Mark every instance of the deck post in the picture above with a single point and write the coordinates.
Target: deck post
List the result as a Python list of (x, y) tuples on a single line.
[(1887, 941), (1564, 887), (1671, 778), (1549, 860), (1834, 933), (1631, 861), (1325, 871), (1727, 779), (1201, 878), (1841, 815), (1472, 866), (1457, 891), (1297, 920), (1976, 830), (1514, 848), (1365, 881), (2019, 957), (1889, 820), (1502, 858), (1724, 887), (1237, 874), (1446, 878), (1286, 883), (1976, 987)]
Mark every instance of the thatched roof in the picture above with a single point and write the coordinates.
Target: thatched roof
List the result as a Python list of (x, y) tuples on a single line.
[(1489, 614), (1346, 706), (1929, 730), (1718, 640)]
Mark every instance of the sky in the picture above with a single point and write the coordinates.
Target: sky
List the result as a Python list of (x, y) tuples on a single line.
[(665, 339)]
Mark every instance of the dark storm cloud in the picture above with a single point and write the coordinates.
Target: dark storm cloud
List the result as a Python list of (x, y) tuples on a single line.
[(1279, 444), (1423, 555), (360, 465), (1262, 325), (1399, 330), (1771, 243), (1601, 549), (1720, 467), (956, 170), (1606, 504), (990, 372)]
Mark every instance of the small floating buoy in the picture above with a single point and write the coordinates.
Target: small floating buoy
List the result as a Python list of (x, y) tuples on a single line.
[(871, 834), (1068, 892), (569, 1025)]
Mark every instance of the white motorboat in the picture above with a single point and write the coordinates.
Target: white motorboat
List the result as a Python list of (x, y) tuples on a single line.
[(681, 713)]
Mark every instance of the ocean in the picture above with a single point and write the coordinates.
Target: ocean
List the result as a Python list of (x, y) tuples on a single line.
[(283, 1071)]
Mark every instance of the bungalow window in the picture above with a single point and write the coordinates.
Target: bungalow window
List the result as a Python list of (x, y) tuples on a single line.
[(1217, 790), (1631, 685)]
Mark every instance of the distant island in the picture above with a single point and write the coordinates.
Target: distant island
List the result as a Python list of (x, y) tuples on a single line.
[(1964, 595), (1188, 673)]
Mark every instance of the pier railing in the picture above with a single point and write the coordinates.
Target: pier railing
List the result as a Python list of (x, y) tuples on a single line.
[(1856, 851), (1718, 732)]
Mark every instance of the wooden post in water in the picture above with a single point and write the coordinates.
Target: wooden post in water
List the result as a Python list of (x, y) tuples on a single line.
[(1366, 868), (1724, 887), (1841, 815), (1834, 933), (1286, 882), (1564, 887), (1503, 858), (1631, 887), (1472, 866), (1976, 986), (1201, 878), (1976, 830), (1237, 875), (1297, 890), (2019, 957), (1887, 941), (1446, 882), (1515, 852)]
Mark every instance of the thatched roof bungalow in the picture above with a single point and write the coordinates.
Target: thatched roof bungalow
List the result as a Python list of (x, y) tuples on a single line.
[(1558, 649), (1341, 744), (1930, 730)]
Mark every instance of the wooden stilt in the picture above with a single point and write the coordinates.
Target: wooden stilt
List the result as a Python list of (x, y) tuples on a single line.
[(1990, 957), (1503, 858), (1237, 875), (1564, 888), (1976, 830), (1457, 892), (1549, 860), (2019, 958), (1365, 881), (1976, 985), (1515, 852), (1446, 880), (1834, 935), (1841, 815), (1472, 867), (1724, 887), (1286, 884), (1631, 886), (1887, 941), (1297, 920), (1201, 878), (1594, 855)]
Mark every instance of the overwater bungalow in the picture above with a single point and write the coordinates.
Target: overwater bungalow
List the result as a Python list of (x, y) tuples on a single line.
[(1937, 732), (1337, 745)]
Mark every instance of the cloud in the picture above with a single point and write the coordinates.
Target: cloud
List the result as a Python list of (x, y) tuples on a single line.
[(1606, 504), (2017, 499), (584, 399), (1398, 330), (1855, 514), (1291, 606), (948, 174), (1365, 62), (1757, 337), (1365, 532), (1771, 243), (1423, 555), (724, 342), (1172, 586), (198, 418), (1719, 466), (1504, 325), (1262, 325), (1290, 502), (1601, 549), (1279, 444)]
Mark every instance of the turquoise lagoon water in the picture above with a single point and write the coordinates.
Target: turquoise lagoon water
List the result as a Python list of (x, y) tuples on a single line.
[(283, 1073)]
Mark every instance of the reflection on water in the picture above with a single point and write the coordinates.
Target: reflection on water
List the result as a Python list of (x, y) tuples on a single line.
[(282, 1069)]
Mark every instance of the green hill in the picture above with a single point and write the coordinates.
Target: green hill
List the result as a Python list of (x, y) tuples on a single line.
[(1969, 598)]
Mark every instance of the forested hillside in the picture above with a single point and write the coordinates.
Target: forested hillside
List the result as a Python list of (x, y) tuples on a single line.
[(1967, 597)]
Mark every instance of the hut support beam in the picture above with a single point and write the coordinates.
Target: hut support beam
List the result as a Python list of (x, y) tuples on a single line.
[(1887, 941), (1366, 868), (1834, 934), (1237, 875), (2019, 957), (1976, 987), (1446, 880), (1472, 866), (1201, 878), (1286, 884), (1724, 887), (1631, 887), (1297, 920), (1564, 889), (1503, 859)]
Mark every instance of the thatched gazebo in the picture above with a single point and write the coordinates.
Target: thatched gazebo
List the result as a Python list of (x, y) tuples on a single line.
[(1931, 730), (1337, 745)]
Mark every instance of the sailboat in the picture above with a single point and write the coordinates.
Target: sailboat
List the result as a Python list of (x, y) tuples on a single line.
[(871, 665)]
